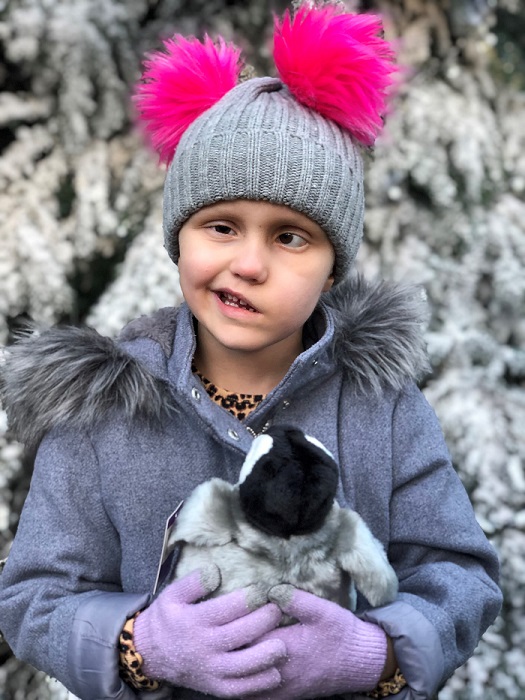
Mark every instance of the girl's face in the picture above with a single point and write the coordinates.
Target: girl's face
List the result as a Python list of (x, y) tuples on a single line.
[(252, 273)]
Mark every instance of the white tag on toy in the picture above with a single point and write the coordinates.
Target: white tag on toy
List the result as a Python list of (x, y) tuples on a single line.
[(168, 549)]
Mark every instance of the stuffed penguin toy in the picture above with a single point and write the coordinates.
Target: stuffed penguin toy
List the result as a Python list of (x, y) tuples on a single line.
[(280, 524)]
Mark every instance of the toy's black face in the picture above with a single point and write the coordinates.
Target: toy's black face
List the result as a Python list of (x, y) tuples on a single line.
[(289, 484)]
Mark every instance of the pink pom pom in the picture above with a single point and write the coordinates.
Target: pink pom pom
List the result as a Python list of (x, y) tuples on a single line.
[(338, 65), (180, 84)]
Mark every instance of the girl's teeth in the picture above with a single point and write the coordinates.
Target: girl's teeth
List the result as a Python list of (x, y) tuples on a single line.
[(231, 300)]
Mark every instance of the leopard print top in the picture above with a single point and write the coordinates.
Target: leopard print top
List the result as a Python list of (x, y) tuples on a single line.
[(130, 661), (392, 686), (239, 405)]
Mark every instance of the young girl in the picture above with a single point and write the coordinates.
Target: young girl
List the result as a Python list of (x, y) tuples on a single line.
[(263, 214)]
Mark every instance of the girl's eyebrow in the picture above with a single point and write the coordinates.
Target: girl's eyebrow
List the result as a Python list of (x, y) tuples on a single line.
[(281, 219), (216, 211)]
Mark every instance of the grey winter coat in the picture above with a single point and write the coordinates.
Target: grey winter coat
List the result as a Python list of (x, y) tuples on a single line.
[(126, 432)]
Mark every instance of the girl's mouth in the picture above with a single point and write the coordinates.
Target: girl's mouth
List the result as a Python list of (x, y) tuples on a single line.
[(236, 302)]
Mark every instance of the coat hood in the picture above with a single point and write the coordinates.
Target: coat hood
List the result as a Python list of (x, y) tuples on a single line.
[(73, 376)]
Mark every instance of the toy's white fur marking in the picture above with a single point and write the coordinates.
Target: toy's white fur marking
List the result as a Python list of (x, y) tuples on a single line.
[(260, 446)]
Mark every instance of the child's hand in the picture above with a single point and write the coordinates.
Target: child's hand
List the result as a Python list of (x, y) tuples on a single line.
[(193, 645), (330, 650)]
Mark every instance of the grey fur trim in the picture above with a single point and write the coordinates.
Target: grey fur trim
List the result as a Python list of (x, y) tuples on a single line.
[(74, 376), (159, 327), (379, 332)]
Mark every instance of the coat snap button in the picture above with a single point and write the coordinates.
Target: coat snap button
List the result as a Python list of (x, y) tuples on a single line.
[(286, 403), (233, 434), (196, 394), (315, 362)]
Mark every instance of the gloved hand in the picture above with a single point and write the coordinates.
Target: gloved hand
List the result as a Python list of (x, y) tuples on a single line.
[(200, 645), (330, 650)]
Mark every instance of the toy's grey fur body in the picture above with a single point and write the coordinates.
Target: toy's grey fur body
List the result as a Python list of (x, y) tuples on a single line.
[(214, 529)]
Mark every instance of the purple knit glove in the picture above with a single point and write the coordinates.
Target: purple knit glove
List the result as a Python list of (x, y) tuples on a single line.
[(330, 650), (199, 645)]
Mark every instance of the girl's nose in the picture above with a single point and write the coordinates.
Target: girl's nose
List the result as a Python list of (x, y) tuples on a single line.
[(250, 260)]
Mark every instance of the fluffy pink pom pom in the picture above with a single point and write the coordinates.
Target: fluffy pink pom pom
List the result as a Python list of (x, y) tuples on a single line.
[(178, 85), (338, 65)]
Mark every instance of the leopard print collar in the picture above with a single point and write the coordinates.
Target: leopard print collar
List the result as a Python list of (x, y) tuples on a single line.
[(239, 405)]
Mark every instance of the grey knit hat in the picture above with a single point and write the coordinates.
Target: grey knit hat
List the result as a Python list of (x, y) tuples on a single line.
[(293, 140), (259, 143)]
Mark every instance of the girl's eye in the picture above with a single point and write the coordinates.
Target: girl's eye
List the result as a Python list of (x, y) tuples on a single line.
[(292, 240), (222, 229)]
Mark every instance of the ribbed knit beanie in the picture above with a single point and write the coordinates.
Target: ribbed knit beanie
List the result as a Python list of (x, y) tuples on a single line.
[(294, 140)]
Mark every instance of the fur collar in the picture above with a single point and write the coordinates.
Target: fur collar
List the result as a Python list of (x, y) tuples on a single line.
[(74, 375), (379, 338)]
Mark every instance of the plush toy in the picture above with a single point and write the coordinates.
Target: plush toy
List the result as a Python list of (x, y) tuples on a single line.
[(280, 524)]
